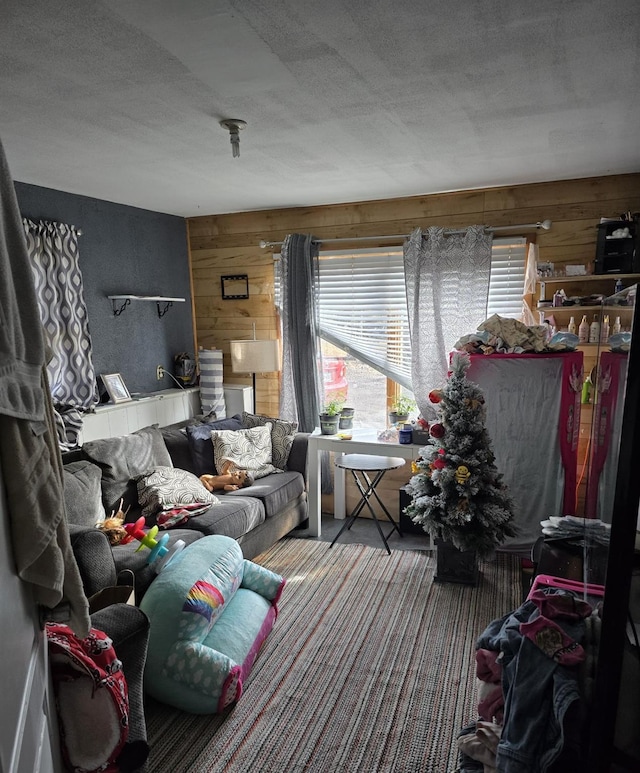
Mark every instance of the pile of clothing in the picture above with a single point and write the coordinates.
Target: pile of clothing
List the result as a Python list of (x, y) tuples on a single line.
[(535, 670)]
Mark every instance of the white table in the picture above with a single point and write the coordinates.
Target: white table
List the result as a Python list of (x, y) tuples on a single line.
[(364, 441)]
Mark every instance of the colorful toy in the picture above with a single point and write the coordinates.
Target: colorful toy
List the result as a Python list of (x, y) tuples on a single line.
[(161, 556), (147, 539)]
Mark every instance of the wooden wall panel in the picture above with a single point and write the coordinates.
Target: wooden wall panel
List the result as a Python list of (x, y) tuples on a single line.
[(222, 244)]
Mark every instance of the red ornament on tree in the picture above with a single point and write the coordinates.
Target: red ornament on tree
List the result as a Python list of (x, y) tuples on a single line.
[(435, 395), (436, 430)]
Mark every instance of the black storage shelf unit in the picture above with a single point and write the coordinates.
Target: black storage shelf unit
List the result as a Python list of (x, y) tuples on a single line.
[(618, 255)]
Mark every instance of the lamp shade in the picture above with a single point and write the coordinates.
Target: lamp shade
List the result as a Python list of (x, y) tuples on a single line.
[(253, 356)]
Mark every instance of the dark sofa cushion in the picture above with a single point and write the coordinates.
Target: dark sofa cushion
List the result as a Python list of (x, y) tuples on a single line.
[(82, 493), (233, 517), (274, 491), (177, 445), (199, 437), (94, 558), (123, 459)]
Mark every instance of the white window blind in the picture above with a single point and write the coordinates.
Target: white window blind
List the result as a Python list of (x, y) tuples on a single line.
[(506, 285), (362, 308)]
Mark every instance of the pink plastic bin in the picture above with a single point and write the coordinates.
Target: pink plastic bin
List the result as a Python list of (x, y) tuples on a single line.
[(593, 593)]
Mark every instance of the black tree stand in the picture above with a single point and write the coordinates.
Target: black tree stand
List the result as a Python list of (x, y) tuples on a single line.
[(453, 565)]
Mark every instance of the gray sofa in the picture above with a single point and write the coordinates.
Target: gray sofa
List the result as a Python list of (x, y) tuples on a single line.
[(102, 472)]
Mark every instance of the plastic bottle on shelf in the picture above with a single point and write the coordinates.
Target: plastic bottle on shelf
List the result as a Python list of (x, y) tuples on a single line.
[(594, 330), (572, 325), (604, 330), (616, 326), (618, 287), (586, 391), (583, 330)]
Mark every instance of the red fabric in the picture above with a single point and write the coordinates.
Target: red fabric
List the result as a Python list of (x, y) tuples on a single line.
[(487, 667), (569, 425), (92, 659), (604, 411)]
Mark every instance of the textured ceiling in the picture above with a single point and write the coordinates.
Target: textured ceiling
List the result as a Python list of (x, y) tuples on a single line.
[(345, 100)]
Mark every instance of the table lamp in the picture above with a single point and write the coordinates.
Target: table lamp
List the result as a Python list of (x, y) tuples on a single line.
[(253, 356)]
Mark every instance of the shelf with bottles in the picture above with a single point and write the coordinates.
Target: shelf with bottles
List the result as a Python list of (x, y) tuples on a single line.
[(593, 286), (620, 318)]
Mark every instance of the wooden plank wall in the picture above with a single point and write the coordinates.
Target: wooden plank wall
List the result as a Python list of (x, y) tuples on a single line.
[(229, 244)]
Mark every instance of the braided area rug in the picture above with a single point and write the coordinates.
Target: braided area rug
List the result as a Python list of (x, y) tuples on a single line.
[(370, 667)]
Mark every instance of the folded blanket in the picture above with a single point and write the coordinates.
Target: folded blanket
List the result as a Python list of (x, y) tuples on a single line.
[(174, 516)]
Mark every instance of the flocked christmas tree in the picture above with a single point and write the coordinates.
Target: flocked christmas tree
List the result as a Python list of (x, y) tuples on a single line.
[(457, 493)]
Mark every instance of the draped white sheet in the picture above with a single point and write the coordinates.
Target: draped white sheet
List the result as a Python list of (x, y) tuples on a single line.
[(522, 400)]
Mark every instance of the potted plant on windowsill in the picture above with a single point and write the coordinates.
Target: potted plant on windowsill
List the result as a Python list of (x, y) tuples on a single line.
[(330, 418), (346, 418), (400, 409)]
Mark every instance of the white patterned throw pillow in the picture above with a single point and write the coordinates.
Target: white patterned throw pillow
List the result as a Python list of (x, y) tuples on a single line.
[(167, 487), (282, 435), (247, 449)]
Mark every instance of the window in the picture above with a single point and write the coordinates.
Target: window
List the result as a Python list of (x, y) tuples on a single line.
[(362, 309), (506, 285)]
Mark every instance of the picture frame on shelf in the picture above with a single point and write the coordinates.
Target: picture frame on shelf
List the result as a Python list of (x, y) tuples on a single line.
[(116, 388)]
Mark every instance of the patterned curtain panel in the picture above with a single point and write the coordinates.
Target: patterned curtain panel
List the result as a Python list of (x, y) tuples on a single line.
[(53, 250), (447, 281)]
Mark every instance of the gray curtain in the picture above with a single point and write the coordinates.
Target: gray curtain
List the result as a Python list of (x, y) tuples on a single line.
[(300, 391), (300, 394), (53, 253), (447, 282)]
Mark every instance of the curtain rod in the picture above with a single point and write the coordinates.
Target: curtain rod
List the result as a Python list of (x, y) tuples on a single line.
[(545, 225)]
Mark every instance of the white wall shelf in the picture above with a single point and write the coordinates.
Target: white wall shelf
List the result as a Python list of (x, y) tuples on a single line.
[(169, 406), (120, 302)]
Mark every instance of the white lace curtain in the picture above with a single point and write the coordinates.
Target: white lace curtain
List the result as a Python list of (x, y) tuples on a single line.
[(53, 252), (447, 282)]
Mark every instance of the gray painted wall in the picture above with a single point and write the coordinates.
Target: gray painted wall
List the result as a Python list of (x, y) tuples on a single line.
[(128, 251)]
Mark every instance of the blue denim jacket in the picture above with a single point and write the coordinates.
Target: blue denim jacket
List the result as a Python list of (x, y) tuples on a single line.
[(537, 692)]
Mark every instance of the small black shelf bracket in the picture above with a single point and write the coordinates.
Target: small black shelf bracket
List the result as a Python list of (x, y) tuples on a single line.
[(118, 311), (167, 306), (125, 300)]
